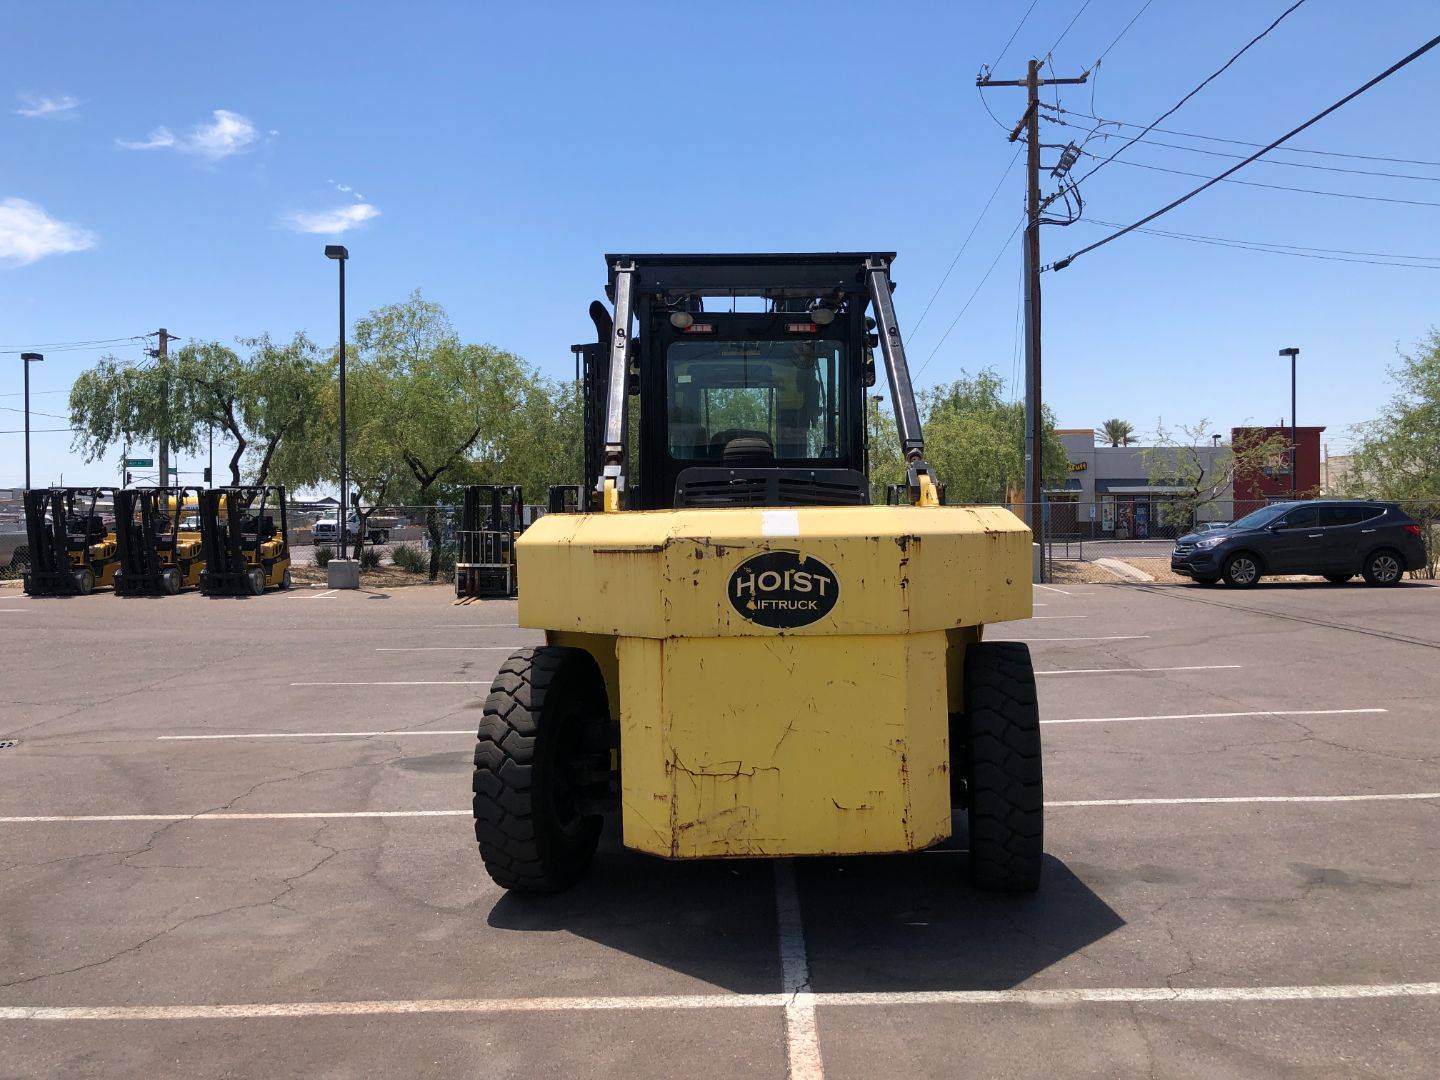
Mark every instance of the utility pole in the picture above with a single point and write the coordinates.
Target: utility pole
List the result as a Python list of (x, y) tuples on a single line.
[(1034, 413), (162, 459)]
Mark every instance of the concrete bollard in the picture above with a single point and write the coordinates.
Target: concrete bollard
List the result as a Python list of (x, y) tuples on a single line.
[(342, 574)]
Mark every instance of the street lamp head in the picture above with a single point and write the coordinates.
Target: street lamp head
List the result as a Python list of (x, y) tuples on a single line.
[(29, 357), (1289, 352), (336, 251)]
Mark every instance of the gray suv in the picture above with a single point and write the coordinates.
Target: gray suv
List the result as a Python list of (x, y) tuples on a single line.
[(1331, 538)]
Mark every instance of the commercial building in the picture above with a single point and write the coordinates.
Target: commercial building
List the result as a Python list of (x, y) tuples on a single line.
[(1109, 492), (1270, 480)]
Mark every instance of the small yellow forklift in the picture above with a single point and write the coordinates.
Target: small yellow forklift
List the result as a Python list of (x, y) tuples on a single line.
[(158, 539), (743, 656), (244, 549), (72, 550)]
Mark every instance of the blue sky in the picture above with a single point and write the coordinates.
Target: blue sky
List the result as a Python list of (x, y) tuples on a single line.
[(162, 164)]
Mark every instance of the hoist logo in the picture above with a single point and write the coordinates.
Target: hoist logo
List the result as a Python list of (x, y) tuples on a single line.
[(780, 589)]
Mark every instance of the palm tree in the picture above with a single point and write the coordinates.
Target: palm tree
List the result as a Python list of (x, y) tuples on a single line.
[(1118, 432)]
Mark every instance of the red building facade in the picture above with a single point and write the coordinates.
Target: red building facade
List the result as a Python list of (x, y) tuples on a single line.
[(1270, 480)]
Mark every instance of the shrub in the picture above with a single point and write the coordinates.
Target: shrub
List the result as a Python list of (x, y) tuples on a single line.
[(447, 563), (369, 558), (409, 557), (323, 554)]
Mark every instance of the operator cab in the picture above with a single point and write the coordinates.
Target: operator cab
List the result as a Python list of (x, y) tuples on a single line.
[(759, 407)]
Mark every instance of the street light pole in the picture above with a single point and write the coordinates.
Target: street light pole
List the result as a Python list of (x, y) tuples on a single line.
[(27, 359), (339, 253), (1292, 353)]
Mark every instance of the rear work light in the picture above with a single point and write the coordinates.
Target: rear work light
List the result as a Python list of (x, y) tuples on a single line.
[(1413, 530), (801, 327)]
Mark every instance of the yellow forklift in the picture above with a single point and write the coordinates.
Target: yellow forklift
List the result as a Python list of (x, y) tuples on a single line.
[(158, 538), (491, 517), (244, 547), (72, 550), (742, 656)]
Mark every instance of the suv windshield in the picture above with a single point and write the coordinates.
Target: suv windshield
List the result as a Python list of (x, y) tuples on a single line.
[(771, 399), (1263, 516)]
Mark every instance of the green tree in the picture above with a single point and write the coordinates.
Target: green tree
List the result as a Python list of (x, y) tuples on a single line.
[(1397, 455), (256, 400), (448, 406), (1116, 432), (975, 439)]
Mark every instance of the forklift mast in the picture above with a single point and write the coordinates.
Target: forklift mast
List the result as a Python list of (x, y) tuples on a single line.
[(743, 407), (145, 524), (229, 552), (61, 522)]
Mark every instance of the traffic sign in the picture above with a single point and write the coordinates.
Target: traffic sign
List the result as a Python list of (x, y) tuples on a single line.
[(139, 463)]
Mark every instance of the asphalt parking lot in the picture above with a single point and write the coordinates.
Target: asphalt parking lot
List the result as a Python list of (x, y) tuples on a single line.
[(236, 839)]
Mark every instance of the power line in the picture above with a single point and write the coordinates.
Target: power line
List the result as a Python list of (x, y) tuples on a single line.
[(66, 346), (1204, 83), (1401, 63), (1274, 187), (34, 393), (1096, 132), (1241, 142), (983, 279), (1272, 244), (1011, 39), (1135, 18), (1075, 18), (35, 412), (36, 431), (1272, 249), (964, 243)]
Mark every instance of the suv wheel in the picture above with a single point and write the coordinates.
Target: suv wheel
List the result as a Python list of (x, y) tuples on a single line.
[(1242, 570), (1383, 568)]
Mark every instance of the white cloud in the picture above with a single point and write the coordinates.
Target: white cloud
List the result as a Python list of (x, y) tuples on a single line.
[(28, 233), (332, 221), (226, 134), (229, 133), (57, 108), (346, 189), (159, 139)]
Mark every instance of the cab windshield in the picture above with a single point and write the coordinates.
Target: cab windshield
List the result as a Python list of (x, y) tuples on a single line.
[(1263, 516), (772, 400)]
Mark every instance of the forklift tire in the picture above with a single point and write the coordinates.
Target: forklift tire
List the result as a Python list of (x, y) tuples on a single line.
[(1000, 756), (534, 834), (285, 579), (84, 581), (170, 581), (255, 579)]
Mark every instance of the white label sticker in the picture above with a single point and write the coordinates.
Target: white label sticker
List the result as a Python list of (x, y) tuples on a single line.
[(779, 523)]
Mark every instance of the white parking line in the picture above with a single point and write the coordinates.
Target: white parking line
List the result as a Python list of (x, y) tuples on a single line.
[(310, 815), (1104, 637), (1051, 588), (802, 1044), (1217, 799), (303, 735), (477, 626), (413, 682), (1216, 715), (15, 610), (450, 648), (326, 595), (1060, 996), (469, 732), (1129, 670)]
